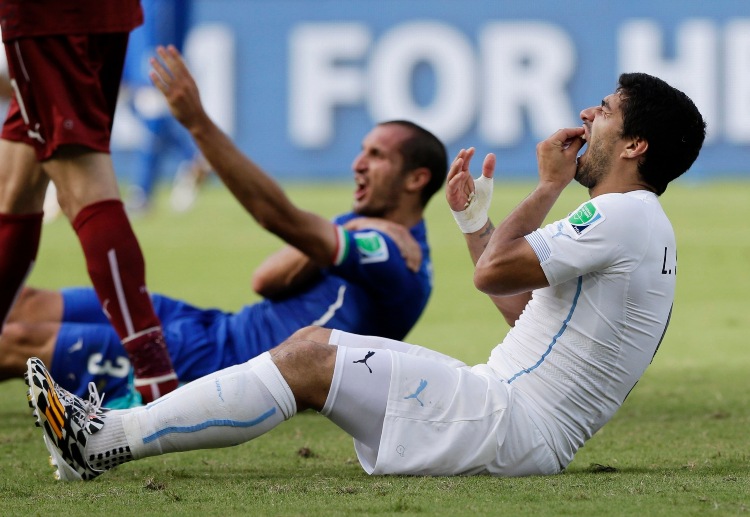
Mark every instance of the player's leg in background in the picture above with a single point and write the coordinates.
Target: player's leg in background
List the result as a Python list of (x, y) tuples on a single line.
[(22, 187), (37, 306), (82, 169), (19, 341), (147, 165), (191, 175), (90, 198)]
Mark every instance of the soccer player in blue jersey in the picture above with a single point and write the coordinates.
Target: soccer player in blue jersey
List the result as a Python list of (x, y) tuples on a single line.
[(348, 273)]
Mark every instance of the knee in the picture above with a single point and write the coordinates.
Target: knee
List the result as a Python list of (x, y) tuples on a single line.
[(21, 307), (303, 353), (15, 342), (16, 333), (312, 333), (37, 306), (307, 366)]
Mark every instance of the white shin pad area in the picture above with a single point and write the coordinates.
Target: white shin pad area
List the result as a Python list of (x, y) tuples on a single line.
[(225, 408)]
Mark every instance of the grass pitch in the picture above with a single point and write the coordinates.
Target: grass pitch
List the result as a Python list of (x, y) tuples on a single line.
[(678, 446)]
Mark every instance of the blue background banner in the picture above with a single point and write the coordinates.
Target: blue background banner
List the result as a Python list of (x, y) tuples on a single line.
[(298, 83)]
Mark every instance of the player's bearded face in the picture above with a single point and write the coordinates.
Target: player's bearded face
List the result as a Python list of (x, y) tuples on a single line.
[(383, 194), (595, 162), (378, 171)]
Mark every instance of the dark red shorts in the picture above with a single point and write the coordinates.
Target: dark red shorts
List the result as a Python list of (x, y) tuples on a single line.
[(65, 90)]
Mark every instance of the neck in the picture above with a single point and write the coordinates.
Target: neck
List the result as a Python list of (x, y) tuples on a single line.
[(405, 215), (620, 182), (407, 220)]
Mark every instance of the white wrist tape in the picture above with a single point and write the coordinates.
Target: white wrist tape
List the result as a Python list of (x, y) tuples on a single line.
[(474, 216)]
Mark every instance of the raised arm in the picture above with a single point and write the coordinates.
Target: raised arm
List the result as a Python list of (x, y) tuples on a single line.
[(261, 196), (469, 200), (509, 265)]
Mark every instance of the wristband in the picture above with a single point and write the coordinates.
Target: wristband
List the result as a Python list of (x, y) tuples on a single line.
[(474, 216)]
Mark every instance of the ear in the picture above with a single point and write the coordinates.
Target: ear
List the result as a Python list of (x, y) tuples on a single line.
[(636, 148), (417, 179)]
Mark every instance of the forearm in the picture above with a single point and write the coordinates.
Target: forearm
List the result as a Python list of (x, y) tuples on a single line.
[(509, 266), (256, 192), (262, 197), (477, 242), (527, 216), (283, 272), (509, 306)]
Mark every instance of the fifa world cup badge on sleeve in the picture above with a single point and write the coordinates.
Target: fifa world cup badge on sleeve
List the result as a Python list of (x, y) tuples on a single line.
[(371, 247), (585, 218)]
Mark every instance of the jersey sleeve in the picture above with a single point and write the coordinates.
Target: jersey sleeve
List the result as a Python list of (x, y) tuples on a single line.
[(371, 258), (595, 237)]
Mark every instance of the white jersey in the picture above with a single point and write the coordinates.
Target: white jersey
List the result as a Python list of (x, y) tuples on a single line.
[(582, 344)]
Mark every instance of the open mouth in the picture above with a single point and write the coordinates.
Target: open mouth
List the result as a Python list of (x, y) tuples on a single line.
[(360, 189)]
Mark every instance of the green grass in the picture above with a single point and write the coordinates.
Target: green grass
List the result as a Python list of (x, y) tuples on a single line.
[(677, 447)]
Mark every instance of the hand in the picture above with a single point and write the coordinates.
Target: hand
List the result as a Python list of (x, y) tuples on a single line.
[(172, 77), (556, 156), (469, 199), (404, 240)]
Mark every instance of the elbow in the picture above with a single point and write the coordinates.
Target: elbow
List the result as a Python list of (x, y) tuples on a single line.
[(511, 319), (494, 279), (260, 285), (257, 285), (485, 281)]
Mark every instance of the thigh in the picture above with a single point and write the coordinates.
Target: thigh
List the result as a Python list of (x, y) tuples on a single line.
[(198, 339), (20, 341), (87, 353), (66, 90), (442, 421), (37, 306), (81, 305), (439, 420), (339, 337)]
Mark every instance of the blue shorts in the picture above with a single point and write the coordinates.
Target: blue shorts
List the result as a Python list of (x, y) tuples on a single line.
[(88, 349)]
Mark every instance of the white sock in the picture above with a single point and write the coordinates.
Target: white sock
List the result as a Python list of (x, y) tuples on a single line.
[(109, 447), (237, 405)]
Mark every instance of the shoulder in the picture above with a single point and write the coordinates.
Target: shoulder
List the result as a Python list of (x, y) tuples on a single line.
[(419, 230), (635, 200), (344, 218), (633, 218), (630, 206)]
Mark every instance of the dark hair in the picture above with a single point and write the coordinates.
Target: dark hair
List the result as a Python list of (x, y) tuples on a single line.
[(668, 120), (423, 149)]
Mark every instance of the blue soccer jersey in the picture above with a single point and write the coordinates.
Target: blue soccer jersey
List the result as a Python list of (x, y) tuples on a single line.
[(369, 290)]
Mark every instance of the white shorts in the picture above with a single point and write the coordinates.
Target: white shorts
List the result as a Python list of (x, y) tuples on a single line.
[(442, 419)]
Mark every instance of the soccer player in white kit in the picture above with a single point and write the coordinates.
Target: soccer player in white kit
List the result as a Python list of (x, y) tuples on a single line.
[(589, 299)]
